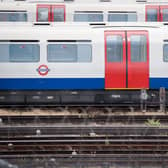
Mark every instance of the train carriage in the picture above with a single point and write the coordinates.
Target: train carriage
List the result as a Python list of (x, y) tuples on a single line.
[(81, 64), (83, 12)]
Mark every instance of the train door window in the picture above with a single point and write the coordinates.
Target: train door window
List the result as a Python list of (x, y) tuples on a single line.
[(122, 16), (164, 13), (19, 52), (58, 13), (43, 13), (152, 13), (72, 51), (138, 48), (88, 16), (165, 53), (114, 48), (13, 16)]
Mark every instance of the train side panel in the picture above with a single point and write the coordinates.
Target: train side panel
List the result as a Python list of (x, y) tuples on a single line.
[(47, 73), (158, 58)]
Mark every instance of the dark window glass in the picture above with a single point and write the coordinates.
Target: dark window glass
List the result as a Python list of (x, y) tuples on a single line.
[(165, 53), (69, 52), (88, 17), (58, 14), (138, 48), (122, 17), (43, 14), (13, 16), (19, 52), (152, 15), (114, 48), (165, 15)]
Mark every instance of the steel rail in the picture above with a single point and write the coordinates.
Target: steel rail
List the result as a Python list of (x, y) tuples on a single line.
[(81, 130), (82, 119)]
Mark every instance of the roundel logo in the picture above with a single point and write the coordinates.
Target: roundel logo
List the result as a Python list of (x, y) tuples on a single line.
[(43, 70)]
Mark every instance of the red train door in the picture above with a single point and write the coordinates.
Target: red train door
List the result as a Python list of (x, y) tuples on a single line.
[(138, 59), (115, 58), (152, 13), (43, 13), (58, 13), (164, 13), (126, 60)]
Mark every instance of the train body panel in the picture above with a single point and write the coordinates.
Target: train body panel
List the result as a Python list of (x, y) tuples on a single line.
[(74, 57), (55, 64), (86, 12), (85, 74)]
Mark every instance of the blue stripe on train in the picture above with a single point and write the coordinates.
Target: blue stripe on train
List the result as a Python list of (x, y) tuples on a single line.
[(156, 83), (65, 83), (51, 83)]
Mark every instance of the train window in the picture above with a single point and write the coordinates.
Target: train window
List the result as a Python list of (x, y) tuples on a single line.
[(13, 16), (58, 14), (152, 15), (165, 53), (114, 48), (24, 52), (69, 52), (88, 16), (43, 14), (19, 52), (138, 48), (165, 15), (122, 16)]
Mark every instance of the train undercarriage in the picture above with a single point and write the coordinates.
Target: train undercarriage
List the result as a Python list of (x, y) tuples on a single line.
[(79, 97)]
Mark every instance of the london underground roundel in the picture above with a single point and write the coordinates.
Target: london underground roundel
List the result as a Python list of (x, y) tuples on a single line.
[(43, 70)]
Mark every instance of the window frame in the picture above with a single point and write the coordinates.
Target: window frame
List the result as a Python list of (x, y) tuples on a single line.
[(165, 43), (146, 49), (157, 7), (77, 42), (162, 7), (122, 12), (14, 12), (122, 51), (88, 12), (43, 6), (30, 42), (55, 7)]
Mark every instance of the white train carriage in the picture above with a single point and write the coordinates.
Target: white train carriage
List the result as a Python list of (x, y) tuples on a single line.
[(83, 12), (61, 63)]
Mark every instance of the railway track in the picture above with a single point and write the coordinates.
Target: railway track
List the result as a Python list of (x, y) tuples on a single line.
[(90, 137), (80, 130), (84, 139), (81, 119), (88, 161), (86, 116)]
